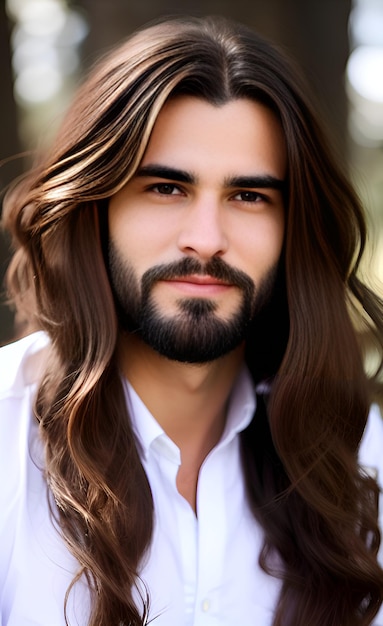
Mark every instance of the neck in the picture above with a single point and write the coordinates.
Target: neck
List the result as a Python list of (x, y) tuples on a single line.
[(185, 398), (188, 401)]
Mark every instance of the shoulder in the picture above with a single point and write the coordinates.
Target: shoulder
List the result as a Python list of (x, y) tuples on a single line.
[(21, 366), (22, 363), (371, 458), (21, 453), (371, 446)]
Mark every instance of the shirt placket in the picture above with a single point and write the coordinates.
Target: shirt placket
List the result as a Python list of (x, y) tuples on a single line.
[(212, 530), (186, 524)]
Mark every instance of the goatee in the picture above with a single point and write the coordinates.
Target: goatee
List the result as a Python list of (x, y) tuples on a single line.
[(196, 334)]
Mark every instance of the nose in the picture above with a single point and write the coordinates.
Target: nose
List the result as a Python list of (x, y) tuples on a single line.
[(202, 231)]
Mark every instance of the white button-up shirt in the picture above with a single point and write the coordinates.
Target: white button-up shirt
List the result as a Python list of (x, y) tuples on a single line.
[(199, 572), (204, 572)]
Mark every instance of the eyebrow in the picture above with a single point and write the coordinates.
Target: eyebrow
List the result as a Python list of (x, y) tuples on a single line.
[(265, 181), (169, 173), (262, 181)]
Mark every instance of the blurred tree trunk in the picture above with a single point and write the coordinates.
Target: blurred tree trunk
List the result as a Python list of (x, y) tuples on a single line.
[(316, 33), (10, 167)]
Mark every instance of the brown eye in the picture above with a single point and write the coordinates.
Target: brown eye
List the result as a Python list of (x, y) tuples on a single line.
[(249, 196), (165, 189)]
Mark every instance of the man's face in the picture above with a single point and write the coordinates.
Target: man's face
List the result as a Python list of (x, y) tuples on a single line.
[(196, 234)]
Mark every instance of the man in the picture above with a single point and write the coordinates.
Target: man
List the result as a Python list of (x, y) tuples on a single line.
[(185, 440)]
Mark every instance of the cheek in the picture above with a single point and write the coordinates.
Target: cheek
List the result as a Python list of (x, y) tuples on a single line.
[(261, 246), (126, 225), (274, 234), (138, 236)]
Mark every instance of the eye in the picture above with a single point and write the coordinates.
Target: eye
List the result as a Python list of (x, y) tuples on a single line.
[(250, 196), (166, 189)]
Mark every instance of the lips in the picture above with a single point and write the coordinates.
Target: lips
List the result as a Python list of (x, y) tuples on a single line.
[(197, 279), (198, 285)]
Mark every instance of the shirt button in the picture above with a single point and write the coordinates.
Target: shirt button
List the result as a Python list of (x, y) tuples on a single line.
[(205, 605)]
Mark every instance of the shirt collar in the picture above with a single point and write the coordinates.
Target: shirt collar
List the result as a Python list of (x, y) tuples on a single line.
[(241, 407), (150, 434)]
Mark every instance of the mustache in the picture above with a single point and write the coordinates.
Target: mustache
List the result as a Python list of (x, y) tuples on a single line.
[(215, 267)]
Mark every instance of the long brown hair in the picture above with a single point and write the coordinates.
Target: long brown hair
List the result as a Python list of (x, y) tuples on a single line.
[(317, 507)]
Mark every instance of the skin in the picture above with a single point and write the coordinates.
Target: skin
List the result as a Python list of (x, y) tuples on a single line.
[(192, 196)]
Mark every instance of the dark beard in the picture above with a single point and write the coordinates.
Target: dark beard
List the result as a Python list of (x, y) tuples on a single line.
[(195, 334)]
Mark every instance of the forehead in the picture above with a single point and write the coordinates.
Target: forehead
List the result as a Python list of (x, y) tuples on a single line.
[(239, 136)]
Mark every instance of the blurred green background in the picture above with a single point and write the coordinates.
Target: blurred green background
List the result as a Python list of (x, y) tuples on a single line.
[(47, 45)]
